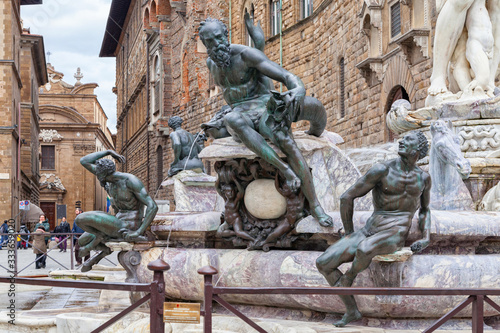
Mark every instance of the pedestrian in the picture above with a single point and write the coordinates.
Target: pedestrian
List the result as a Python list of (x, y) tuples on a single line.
[(24, 238), (4, 229), (40, 248), (77, 230), (44, 223), (64, 228), (57, 230)]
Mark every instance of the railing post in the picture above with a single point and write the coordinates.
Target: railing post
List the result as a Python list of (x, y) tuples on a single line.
[(478, 314), (157, 295), (208, 272), (71, 253)]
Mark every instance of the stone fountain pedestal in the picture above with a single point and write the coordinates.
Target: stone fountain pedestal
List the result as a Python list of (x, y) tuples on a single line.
[(477, 125), (464, 252)]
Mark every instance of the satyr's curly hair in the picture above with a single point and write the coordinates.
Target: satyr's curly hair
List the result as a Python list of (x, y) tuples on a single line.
[(175, 122), (104, 167), (212, 20), (423, 144)]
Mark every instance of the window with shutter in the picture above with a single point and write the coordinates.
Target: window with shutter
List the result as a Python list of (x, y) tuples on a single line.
[(48, 157), (306, 8), (275, 19), (395, 19)]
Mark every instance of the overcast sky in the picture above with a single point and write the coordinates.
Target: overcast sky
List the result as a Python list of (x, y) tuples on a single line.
[(73, 33)]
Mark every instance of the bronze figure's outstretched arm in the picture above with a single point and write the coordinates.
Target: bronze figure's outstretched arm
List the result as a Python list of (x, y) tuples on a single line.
[(89, 160)]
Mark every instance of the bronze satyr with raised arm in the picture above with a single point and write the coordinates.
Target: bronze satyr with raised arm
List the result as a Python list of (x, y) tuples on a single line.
[(244, 75), (399, 187), (133, 206)]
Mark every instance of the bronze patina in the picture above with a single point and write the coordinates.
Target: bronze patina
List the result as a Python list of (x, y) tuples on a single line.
[(244, 75), (185, 147), (133, 206), (399, 187)]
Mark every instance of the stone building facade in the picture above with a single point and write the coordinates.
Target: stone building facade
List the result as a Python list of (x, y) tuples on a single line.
[(160, 72), (357, 57), (22, 71), (73, 124)]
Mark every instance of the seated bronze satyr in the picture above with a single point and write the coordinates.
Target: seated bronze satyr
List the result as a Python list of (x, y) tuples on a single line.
[(185, 147), (133, 206), (398, 187), (244, 75)]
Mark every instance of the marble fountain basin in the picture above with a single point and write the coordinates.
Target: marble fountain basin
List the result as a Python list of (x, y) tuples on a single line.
[(464, 253)]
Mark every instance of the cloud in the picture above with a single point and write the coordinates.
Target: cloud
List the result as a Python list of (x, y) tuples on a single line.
[(73, 33)]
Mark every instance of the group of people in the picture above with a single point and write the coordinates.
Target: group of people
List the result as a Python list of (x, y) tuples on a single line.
[(41, 236)]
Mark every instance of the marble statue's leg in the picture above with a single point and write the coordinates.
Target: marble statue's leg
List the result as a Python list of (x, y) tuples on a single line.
[(449, 26), (479, 47), (493, 7), (460, 66)]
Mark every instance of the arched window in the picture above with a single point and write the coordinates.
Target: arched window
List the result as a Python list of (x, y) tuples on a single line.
[(398, 92), (185, 79), (274, 5), (146, 19), (157, 85), (153, 19), (159, 166), (164, 7), (342, 88)]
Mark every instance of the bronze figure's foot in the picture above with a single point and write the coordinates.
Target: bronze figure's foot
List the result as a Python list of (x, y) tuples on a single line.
[(348, 317), (292, 181), (86, 267), (323, 218)]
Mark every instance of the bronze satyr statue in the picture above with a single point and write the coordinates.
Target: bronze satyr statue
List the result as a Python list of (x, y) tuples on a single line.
[(185, 148), (398, 187), (244, 75), (133, 206)]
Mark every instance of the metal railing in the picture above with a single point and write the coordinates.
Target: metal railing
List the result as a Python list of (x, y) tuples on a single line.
[(71, 246), (477, 297), (155, 293)]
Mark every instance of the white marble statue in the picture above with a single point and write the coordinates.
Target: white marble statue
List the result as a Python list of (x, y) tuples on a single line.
[(464, 46), (491, 200), (447, 167)]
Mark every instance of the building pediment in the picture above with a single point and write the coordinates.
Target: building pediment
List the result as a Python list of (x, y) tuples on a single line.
[(61, 114)]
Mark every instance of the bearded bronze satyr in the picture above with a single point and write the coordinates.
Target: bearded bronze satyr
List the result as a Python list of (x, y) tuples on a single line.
[(133, 206), (398, 187), (244, 75)]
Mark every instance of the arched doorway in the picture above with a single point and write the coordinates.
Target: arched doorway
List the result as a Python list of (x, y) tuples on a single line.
[(398, 92)]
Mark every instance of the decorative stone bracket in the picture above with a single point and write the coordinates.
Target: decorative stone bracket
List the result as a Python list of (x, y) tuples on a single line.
[(415, 38), (47, 135), (372, 70)]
